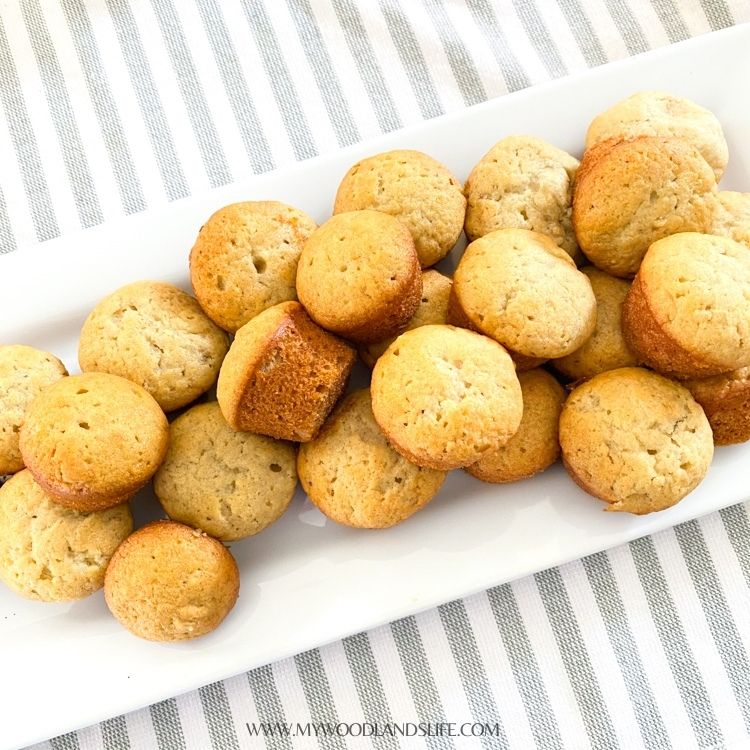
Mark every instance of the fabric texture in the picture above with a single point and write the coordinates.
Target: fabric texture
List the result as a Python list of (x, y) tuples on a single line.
[(111, 107)]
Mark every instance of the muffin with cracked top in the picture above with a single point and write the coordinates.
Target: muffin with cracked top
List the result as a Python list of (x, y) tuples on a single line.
[(635, 439)]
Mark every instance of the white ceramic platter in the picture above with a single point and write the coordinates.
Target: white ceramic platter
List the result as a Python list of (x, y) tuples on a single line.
[(306, 581)]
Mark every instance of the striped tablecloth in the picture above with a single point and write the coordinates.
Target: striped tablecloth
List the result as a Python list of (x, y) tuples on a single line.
[(109, 107)]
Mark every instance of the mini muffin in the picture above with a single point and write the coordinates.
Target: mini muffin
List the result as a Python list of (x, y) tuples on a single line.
[(445, 396), (726, 401), (732, 216), (535, 446), (230, 484), (415, 188), (606, 349), (656, 113), (628, 194), (634, 439), (456, 316), (359, 276), (523, 183), (52, 553), (283, 374), (169, 582), (157, 336), (245, 260), (353, 476), (24, 373), (433, 308), (521, 289), (687, 313), (93, 440)]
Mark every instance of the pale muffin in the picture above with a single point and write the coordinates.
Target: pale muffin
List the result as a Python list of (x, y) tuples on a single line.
[(634, 439), (283, 374), (444, 396), (433, 308), (656, 113), (629, 194), (353, 476), (245, 259), (523, 182), (229, 484), (726, 401), (24, 373), (414, 188), (732, 216), (688, 311), (359, 276), (93, 440), (535, 445), (170, 582), (157, 336), (52, 553), (606, 349), (521, 289)]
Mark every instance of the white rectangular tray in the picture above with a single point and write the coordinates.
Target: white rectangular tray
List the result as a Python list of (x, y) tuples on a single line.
[(306, 581)]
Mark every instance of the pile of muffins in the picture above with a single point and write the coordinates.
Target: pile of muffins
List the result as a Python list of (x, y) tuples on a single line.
[(601, 311)]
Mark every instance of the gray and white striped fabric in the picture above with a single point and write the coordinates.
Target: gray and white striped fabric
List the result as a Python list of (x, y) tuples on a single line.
[(110, 107)]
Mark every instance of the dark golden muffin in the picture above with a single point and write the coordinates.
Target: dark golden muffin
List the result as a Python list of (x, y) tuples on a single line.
[(688, 312), (629, 194), (359, 276), (283, 374), (170, 582), (726, 401), (93, 440)]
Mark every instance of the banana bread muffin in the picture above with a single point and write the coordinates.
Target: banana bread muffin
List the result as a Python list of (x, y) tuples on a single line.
[(628, 194), (52, 553), (359, 276), (634, 439), (521, 289), (732, 216), (230, 484), (283, 374), (157, 336), (354, 477), (535, 446), (444, 396), (93, 440), (657, 113), (169, 582), (688, 312), (726, 401), (606, 349), (523, 183), (433, 308), (416, 189), (245, 259), (24, 373)]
